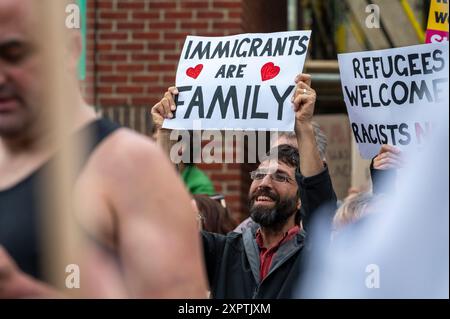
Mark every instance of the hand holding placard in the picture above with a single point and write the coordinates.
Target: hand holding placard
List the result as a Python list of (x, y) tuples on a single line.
[(164, 109), (304, 100), (389, 157)]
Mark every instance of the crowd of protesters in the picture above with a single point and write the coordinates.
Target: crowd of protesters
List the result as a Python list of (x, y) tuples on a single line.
[(145, 219)]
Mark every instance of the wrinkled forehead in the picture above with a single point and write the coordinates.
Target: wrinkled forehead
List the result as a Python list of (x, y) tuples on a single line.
[(273, 165), (17, 20)]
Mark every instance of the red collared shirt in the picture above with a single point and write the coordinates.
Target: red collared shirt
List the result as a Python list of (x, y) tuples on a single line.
[(266, 254)]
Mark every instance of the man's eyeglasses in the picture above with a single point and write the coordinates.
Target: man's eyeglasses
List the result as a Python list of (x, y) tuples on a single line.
[(276, 176)]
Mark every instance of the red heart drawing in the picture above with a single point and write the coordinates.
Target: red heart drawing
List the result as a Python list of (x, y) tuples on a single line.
[(194, 72), (269, 71)]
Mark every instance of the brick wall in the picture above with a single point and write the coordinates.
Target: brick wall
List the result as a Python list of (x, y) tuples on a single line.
[(264, 16), (133, 50)]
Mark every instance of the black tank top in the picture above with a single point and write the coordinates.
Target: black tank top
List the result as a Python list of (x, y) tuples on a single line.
[(19, 207)]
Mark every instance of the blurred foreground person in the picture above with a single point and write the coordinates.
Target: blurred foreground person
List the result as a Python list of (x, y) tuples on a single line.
[(402, 249), (121, 189)]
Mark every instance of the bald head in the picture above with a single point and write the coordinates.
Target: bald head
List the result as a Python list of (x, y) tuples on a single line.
[(22, 76), (18, 14)]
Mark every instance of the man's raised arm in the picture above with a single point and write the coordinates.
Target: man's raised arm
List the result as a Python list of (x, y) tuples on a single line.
[(304, 100), (316, 189)]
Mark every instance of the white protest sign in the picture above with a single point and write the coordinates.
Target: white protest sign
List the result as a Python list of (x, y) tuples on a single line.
[(394, 95), (240, 82)]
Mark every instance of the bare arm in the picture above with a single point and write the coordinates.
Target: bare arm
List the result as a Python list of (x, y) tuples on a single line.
[(159, 241), (304, 100)]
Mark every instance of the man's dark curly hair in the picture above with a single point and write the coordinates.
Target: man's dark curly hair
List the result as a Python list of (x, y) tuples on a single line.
[(286, 154)]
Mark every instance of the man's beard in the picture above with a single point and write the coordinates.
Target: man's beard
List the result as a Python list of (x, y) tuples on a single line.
[(275, 217)]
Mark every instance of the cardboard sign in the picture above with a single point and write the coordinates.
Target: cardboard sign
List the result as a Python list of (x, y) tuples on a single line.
[(392, 96), (241, 82)]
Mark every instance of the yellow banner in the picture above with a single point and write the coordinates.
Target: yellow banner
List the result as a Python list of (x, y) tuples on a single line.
[(438, 16)]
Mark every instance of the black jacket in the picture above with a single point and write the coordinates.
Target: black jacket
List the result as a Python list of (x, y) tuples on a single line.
[(383, 181), (232, 261)]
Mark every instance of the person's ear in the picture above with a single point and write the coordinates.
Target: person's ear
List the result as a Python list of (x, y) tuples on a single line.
[(75, 47), (299, 204)]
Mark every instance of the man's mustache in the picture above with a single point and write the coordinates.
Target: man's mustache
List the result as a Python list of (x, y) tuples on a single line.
[(265, 192)]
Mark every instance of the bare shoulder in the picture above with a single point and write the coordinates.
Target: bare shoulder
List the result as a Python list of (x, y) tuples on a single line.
[(130, 167), (125, 145), (134, 171), (127, 153), (143, 201), (119, 173)]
